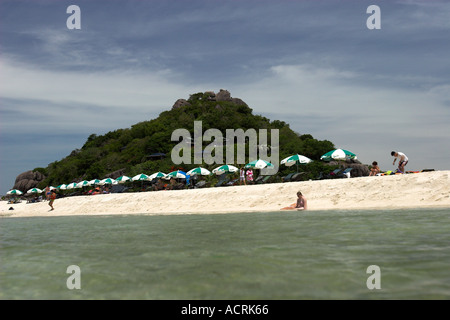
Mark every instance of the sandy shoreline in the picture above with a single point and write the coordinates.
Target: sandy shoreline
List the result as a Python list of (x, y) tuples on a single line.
[(427, 189)]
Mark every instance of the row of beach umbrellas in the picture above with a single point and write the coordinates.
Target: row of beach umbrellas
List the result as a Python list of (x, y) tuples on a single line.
[(337, 154)]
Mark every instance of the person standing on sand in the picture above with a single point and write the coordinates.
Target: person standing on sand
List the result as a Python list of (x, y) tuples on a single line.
[(250, 175), (47, 193), (402, 160), (301, 204), (52, 199), (242, 176)]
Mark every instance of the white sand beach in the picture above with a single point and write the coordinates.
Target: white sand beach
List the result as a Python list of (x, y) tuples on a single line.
[(426, 189)]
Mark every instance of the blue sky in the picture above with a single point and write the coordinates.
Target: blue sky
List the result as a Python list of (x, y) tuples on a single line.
[(313, 64)]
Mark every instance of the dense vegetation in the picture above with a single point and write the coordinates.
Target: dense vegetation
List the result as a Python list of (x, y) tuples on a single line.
[(128, 151)]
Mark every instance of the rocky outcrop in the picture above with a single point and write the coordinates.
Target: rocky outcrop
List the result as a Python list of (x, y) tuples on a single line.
[(116, 174), (28, 180), (180, 103), (222, 95), (358, 169)]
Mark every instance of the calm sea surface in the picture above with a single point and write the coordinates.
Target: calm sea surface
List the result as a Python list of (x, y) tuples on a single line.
[(279, 255)]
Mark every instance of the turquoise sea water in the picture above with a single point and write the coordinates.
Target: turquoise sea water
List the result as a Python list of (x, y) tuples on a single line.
[(279, 255)]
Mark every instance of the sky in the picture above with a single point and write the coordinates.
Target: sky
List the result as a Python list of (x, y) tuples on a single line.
[(313, 64)]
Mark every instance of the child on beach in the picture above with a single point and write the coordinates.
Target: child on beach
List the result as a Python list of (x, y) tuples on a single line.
[(250, 175), (301, 204), (375, 169), (52, 199), (241, 176)]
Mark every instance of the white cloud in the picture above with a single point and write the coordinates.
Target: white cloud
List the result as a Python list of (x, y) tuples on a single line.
[(340, 106)]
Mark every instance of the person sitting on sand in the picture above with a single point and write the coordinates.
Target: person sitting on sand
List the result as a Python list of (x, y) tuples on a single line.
[(375, 169), (301, 204)]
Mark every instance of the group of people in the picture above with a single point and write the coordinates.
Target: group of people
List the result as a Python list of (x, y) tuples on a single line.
[(302, 203), (402, 162), (245, 175)]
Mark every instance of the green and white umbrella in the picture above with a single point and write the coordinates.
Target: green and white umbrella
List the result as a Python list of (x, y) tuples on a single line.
[(226, 168), (295, 159), (82, 184), (123, 179), (140, 177), (71, 185), (338, 154), (62, 187), (199, 171), (175, 174), (94, 182), (14, 191), (258, 164), (158, 174), (107, 181), (34, 190)]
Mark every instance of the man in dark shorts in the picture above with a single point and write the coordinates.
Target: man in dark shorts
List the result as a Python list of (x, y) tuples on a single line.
[(402, 160)]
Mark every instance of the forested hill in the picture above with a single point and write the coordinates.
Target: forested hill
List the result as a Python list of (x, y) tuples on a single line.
[(146, 146)]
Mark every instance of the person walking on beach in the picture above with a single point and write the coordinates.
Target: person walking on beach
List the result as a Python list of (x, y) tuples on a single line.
[(402, 160), (242, 176), (52, 199), (301, 204)]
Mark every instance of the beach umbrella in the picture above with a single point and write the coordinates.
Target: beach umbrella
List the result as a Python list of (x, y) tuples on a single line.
[(140, 177), (200, 171), (158, 174), (62, 187), (51, 188), (295, 159), (338, 154), (71, 185), (94, 182), (176, 174), (258, 164), (82, 184), (226, 168), (34, 190), (107, 181), (14, 191), (123, 179)]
